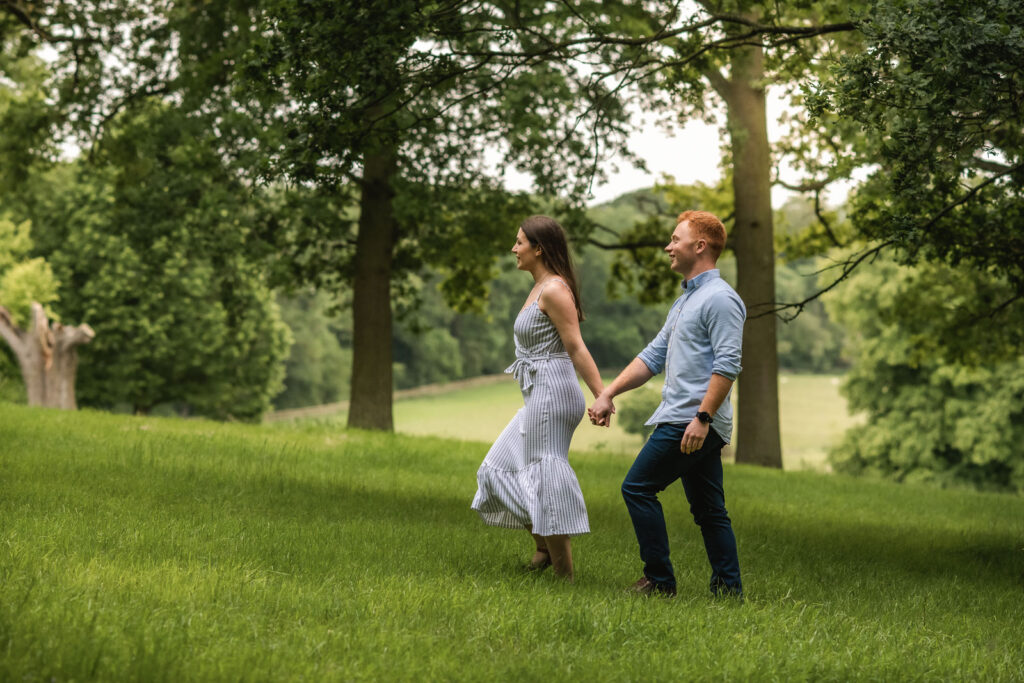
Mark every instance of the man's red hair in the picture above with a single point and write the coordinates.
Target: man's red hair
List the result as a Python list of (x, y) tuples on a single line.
[(707, 227)]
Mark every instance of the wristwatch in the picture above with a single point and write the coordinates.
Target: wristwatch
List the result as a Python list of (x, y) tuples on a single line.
[(704, 417)]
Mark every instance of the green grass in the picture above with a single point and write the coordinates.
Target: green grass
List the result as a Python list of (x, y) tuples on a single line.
[(155, 549), (812, 418)]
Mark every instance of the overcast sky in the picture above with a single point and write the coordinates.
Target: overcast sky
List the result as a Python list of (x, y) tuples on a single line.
[(690, 154)]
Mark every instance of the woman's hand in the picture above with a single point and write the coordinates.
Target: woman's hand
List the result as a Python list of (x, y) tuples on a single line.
[(601, 412)]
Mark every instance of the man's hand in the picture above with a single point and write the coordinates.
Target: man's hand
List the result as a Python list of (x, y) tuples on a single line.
[(601, 412), (693, 437)]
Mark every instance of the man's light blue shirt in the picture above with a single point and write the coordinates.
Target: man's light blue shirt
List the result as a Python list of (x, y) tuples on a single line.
[(703, 334)]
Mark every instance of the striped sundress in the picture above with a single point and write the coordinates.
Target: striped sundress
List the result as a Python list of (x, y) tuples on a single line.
[(526, 479)]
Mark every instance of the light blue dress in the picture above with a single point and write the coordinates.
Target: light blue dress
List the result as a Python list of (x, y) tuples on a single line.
[(526, 479)]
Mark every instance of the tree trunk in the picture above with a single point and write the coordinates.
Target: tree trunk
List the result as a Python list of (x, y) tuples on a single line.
[(757, 440), (371, 393), (48, 356)]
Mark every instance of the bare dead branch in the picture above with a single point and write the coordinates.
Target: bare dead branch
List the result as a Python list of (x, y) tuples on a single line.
[(851, 264), (989, 165), (848, 267)]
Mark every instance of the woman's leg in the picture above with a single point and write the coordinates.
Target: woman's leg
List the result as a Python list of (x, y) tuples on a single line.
[(560, 549), (541, 557)]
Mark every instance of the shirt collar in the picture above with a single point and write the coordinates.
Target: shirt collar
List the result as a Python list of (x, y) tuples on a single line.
[(696, 282)]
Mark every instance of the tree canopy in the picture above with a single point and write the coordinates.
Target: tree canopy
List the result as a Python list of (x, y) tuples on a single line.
[(929, 417), (939, 92), (151, 238)]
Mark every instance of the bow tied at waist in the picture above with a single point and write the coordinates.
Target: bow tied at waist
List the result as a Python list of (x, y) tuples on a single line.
[(525, 366)]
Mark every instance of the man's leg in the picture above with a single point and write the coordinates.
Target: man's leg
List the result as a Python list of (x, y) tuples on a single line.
[(658, 465), (706, 495)]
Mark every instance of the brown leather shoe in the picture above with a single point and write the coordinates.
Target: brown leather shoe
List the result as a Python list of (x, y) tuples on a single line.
[(645, 586)]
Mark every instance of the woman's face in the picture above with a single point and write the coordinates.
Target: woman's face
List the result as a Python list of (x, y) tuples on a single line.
[(526, 255)]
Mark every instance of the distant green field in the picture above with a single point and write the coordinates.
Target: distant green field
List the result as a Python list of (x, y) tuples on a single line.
[(813, 417), (148, 549)]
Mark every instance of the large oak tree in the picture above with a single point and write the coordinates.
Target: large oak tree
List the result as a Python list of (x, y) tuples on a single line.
[(413, 110)]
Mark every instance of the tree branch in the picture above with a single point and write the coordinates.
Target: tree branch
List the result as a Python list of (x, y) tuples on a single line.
[(12, 334), (991, 313), (967, 197), (756, 29), (821, 218), (807, 186), (624, 246), (73, 336), (816, 187), (848, 267), (850, 264), (145, 91), (993, 166), (24, 16), (722, 85)]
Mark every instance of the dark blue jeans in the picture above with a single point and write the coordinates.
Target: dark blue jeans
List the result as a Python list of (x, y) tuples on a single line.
[(660, 463)]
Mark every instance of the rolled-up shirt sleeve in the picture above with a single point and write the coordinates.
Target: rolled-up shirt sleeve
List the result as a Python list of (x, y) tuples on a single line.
[(726, 315), (654, 353)]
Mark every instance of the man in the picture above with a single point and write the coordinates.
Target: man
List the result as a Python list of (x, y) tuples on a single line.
[(699, 350)]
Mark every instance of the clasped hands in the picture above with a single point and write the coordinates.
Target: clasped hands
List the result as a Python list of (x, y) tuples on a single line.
[(601, 412)]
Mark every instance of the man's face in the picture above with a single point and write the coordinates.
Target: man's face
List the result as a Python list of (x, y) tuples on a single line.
[(682, 249)]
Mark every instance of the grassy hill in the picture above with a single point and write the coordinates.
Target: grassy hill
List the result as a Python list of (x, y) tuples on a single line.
[(150, 549)]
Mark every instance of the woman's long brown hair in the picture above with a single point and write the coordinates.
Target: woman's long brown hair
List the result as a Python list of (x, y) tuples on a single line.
[(546, 233)]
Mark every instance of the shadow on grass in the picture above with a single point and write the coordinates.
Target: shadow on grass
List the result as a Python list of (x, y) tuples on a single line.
[(900, 556), (428, 529)]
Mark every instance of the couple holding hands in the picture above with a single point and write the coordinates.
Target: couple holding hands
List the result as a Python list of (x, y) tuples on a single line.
[(526, 482)]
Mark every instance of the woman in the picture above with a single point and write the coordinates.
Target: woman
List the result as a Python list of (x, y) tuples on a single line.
[(526, 482)]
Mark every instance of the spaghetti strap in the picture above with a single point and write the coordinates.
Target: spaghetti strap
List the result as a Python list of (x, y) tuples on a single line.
[(558, 280)]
